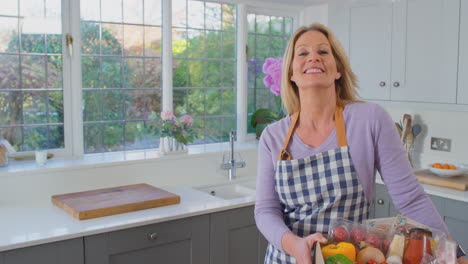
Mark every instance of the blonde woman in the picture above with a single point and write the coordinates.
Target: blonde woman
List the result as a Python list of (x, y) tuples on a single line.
[(319, 162)]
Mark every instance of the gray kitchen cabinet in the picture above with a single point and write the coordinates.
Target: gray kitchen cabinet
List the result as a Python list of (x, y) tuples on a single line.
[(392, 44), (455, 215), (383, 205), (235, 239), (180, 241), (67, 251)]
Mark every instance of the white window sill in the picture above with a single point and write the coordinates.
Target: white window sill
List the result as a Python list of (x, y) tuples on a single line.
[(114, 158)]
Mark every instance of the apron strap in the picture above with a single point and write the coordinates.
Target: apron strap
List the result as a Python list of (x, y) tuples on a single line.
[(284, 154), (340, 133), (340, 127)]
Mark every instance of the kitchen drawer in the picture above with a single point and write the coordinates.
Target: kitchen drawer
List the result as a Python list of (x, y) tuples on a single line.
[(139, 237)]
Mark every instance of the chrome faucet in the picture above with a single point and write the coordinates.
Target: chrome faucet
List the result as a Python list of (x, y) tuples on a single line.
[(231, 165)]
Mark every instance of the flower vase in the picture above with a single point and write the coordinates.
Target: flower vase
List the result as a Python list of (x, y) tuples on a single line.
[(168, 145)]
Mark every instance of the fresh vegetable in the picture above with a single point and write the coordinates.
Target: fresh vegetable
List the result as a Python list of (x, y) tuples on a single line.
[(340, 234), (397, 248), (344, 248), (338, 259), (373, 240), (357, 235), (394, 259), (371, 253)]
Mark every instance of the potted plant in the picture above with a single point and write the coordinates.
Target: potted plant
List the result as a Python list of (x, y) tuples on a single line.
[(263, 117), (174, 133)]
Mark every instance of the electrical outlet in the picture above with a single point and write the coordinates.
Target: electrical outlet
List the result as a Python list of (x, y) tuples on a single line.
[(441, 144)]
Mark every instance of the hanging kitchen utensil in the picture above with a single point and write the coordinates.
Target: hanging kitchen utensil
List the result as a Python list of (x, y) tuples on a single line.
[(416, 130), (406, 127), (398, 126)]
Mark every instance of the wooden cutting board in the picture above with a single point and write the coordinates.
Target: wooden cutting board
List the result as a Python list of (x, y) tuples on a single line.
[(457, 182), (116, 200)]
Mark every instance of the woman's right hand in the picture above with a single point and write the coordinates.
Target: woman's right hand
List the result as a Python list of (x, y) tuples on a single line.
[(300, 248)]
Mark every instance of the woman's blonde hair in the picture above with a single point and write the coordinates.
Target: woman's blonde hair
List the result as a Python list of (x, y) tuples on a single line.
[(345, 86)]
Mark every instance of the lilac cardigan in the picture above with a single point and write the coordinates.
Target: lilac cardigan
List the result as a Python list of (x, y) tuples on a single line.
[(374, 145)]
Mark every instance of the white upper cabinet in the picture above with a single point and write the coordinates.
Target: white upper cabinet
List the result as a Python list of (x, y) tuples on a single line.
[(463, 55), (431, 52), (371, 26), (401, 50)]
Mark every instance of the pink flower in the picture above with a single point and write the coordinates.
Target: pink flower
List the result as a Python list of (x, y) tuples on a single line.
[(273, 71), (167, 115), (186, 119)]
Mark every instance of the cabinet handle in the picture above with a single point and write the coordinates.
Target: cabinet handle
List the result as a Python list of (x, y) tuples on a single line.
[(153, 236), (396, 84), (382, 84), (380, 201)]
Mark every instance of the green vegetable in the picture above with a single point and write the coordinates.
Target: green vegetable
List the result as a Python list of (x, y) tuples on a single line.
[(338, 259)]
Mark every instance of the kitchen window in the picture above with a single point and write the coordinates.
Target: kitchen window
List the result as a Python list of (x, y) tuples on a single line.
[(100, 91), (204, 66), (31, 85), (121, 73), (267, 38)]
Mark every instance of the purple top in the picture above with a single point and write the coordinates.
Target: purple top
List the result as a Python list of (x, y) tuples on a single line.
[(374, 145)]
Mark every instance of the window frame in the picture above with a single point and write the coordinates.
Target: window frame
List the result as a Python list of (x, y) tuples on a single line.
[(72, 80)]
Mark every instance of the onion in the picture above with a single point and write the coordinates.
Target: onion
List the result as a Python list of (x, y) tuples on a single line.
[(370, 253)]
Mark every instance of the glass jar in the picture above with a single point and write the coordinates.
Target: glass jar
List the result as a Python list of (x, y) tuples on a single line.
[(419, 243), (3, 155)]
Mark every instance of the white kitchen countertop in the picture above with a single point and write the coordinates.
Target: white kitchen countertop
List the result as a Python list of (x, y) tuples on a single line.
[(28, 224), (440, 191)]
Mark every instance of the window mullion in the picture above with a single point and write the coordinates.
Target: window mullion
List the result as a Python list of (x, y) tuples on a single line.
[(242, 87), (167, 104), (72, 73)]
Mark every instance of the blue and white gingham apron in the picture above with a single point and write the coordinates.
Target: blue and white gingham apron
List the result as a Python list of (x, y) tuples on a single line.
[(316, 189)]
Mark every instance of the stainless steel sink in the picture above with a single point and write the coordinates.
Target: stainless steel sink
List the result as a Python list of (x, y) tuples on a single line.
[(228, 191)]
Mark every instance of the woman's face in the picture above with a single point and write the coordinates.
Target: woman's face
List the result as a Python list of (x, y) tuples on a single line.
[(313, 63)]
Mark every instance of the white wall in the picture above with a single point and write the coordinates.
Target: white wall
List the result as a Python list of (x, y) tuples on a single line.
[(436, 123), (314, 14)]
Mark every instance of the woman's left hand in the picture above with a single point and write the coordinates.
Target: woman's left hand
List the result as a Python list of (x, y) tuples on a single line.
[(462, 260)]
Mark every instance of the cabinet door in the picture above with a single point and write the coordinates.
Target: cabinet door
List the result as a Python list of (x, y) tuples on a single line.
[(183, 241), (370, 32), (431, 52), (68, 251), (235, 239), (382, 202), (463, 55), (456, 218), (383, 206)]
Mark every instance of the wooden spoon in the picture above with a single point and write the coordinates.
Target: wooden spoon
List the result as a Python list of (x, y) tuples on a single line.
[(398, 128)]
